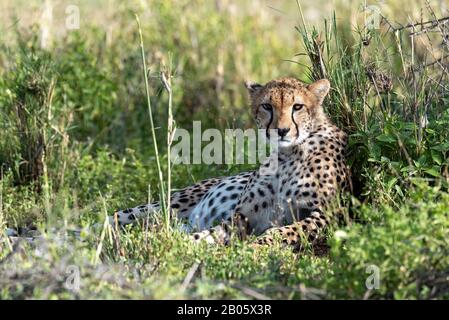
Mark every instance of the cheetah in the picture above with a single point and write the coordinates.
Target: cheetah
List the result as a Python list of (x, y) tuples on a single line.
[(292, 200)]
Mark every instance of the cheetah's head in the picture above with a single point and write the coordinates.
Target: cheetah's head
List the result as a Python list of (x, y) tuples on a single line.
[(287, 108)]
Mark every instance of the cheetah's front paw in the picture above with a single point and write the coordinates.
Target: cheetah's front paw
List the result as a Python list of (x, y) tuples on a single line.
[(216, 235), (201, 236)]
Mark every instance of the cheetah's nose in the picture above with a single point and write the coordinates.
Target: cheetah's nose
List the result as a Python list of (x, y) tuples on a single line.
[(282, 132)]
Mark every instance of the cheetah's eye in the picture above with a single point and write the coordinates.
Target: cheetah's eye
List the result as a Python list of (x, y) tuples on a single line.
[(297, 106), (267, 106)]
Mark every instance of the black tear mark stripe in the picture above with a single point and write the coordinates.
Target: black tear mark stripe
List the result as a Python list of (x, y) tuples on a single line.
[(269, 124), (267, 133), (296, 125)]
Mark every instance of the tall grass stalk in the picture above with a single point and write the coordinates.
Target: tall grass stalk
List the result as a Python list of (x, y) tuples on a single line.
[(47, 188), (166, 79), (2, 217), (106, 228), (150, 112)]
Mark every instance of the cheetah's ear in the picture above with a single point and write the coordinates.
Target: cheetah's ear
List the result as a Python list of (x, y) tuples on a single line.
[(320, 89), (252, 86)]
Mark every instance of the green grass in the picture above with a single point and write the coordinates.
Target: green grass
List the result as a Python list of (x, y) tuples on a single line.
[(76, 143)]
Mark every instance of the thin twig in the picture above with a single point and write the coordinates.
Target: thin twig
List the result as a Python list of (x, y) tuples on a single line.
[(413, 25), (189, 276), (433, 63)]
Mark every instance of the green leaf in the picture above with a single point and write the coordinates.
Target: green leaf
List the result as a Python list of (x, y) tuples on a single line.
[(441, 147), (433, 172), (436, 157), (398, 190), (386, 138), (391, 183)]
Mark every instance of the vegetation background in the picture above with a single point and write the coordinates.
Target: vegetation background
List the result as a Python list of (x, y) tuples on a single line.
[(76, 143)]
